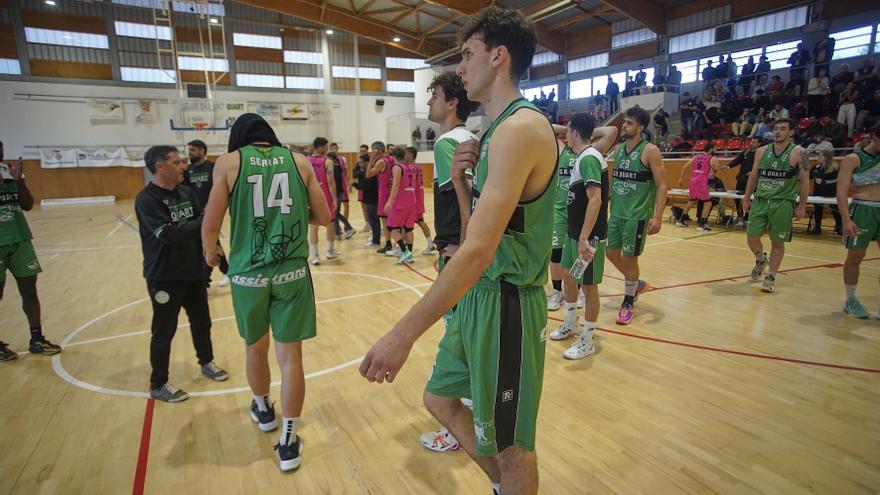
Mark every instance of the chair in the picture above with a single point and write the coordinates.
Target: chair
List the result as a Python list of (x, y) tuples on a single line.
[(700, 145), (734, 144)]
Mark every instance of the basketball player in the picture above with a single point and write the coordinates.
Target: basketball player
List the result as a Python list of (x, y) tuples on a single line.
[(343, 188), (380, 167), (859, 170), (638, 196), (324, 174), (587, 219), (170, 218), (401, 207), (782, 174), (271, 285), (563, 173), (493, 349), (702, 166), (18, 256), (199, 178), (410, 158)]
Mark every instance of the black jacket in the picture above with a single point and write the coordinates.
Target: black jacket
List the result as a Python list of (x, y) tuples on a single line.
[(170, 229)]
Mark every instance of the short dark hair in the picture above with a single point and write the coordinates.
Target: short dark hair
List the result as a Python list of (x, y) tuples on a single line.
[(365, 146), (411, 150), (710, 146), (334, 144), (583, 123), (508, 27), (379, 145), (157, 154), (639, 115), (332, 156), (198, 143), (318, 142), (399, 153), (787, 121), (452, 87)]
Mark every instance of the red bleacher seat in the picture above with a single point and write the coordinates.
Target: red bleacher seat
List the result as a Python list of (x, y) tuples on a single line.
[(734, 144), (804, 123), (719, 144), (747, 142), (700, 145)]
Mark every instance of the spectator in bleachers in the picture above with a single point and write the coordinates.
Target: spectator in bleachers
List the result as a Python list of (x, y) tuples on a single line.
[(762, 101), (730, 108), (823, 51), (747, 75), (816, 91), (699, 116), (798, 110), (774, 89), (834, 131), (630, 87), (778, 112), (708, 73), (818, 144), (762, 71), (430, 136), (866, 78), (552, 96), (798, 61), (742, 126), (869, 114), (711, 114), (865, 141), (687, 110), (716, 91), (641, 77), (721, 69), (659, 79), (731, 71), (599, 105), (846, 113), (841, 78), (824, 176), (673, 81), (661, 124), (680, 145), (612, 90)]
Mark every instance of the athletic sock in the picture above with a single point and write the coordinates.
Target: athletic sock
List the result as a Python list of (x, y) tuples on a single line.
[(330, 246), (760, 259), (571, 313), (557, 285), (629, 291), (850, 292), (401, 245), (313, 250), (589, 326), (497, 487), (429, 240), (37, 333), (288, 430), (262, 402)]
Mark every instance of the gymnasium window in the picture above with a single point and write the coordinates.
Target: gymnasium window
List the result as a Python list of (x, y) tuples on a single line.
[(259, 80), (298, 57), (531, 93), (202, 64), (400, 86), (852, 42), (256, 40), (344, 71), (148, 31), (200, 8), (10, 66), (581, 64), (600, 83), (877, 38), (619, 78), (632, 38), (298, 82), (544, 58), (147, 4), (778, 54), (688, 70), (141, 74), (765, 24), (581, 88), (65, 38), (689, 41), (649, 75), (742, 57), (405, 63)]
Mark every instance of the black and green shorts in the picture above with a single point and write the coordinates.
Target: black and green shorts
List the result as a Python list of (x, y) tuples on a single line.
[(493, 353), (594, 272), (866, 216)]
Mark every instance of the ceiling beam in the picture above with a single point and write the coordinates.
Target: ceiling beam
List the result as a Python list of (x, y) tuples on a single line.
[(346, 20), (389, 10), (568, 21), (409, 12), (648, 13), (466, 7)]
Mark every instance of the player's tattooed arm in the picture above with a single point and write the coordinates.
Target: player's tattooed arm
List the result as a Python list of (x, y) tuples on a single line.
[(803, 182)]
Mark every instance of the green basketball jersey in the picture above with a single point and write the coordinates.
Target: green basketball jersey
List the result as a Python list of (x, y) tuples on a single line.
[(269, 208), (13, 226), (777, 179), (523, 255), (633, 190), (868, 172), (564, 166)]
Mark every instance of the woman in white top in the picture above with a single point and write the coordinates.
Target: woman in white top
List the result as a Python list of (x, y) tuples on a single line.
[(816, 91)]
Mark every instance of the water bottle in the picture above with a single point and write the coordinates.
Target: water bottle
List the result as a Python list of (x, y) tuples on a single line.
[(580, 265)]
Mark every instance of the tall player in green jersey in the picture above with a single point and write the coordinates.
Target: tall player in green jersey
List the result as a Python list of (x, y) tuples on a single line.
[(861, 170), (638, 196), (272, 196), (560, 216), (774, 180), (496, 279)]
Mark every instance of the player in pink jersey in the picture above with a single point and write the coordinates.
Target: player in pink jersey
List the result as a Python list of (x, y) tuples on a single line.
[(410, 158), (324, 172), (380, 166), (343, 187), (702, 166), (401, 207)]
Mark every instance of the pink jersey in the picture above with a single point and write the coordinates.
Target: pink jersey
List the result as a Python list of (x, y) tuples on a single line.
[(420, 190), (699, 186), (406, 192), (385, 180), (321, 174)]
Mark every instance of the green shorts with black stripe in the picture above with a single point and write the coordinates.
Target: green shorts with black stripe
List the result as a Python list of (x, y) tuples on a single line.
[(20, 259), (560, 229), (280, 295), (493, 353), (628, 235), (593, 273), (774, 215), (866, 216)]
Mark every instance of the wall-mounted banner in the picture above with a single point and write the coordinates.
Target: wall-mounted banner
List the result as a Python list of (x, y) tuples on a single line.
[(294, 111), (99, 157), (146, 112), (106, 112), (269, 111), (57, 158), (92, 157)]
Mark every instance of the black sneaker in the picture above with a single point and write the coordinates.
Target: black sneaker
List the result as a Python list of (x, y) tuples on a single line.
[(383, 249), (43, 347), (290, 455), (265, 420), (6, 354)]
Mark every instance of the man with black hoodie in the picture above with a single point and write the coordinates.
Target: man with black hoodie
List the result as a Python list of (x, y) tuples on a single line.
[(745, 160)]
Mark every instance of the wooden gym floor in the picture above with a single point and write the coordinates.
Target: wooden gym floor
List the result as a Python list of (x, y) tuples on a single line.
[(714, 388)]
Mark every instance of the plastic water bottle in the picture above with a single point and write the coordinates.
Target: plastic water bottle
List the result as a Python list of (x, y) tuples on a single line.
[(580, 265)]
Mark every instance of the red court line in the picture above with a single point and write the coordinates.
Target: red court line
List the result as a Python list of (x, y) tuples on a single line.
[(140, 474), (720, 349)]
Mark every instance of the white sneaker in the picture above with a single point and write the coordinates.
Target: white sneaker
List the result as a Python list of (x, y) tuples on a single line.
[(349, 233), (332, 254), (467, 403), (393, 252), (563, 332), (581, 348), (430, 249), (223, 282), (440, 441), (582, 300), (554, 301), (366, 228), (315, 260)]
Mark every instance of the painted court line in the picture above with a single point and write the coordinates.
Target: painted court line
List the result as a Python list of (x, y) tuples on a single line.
[(122, 221), (140, 474)]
